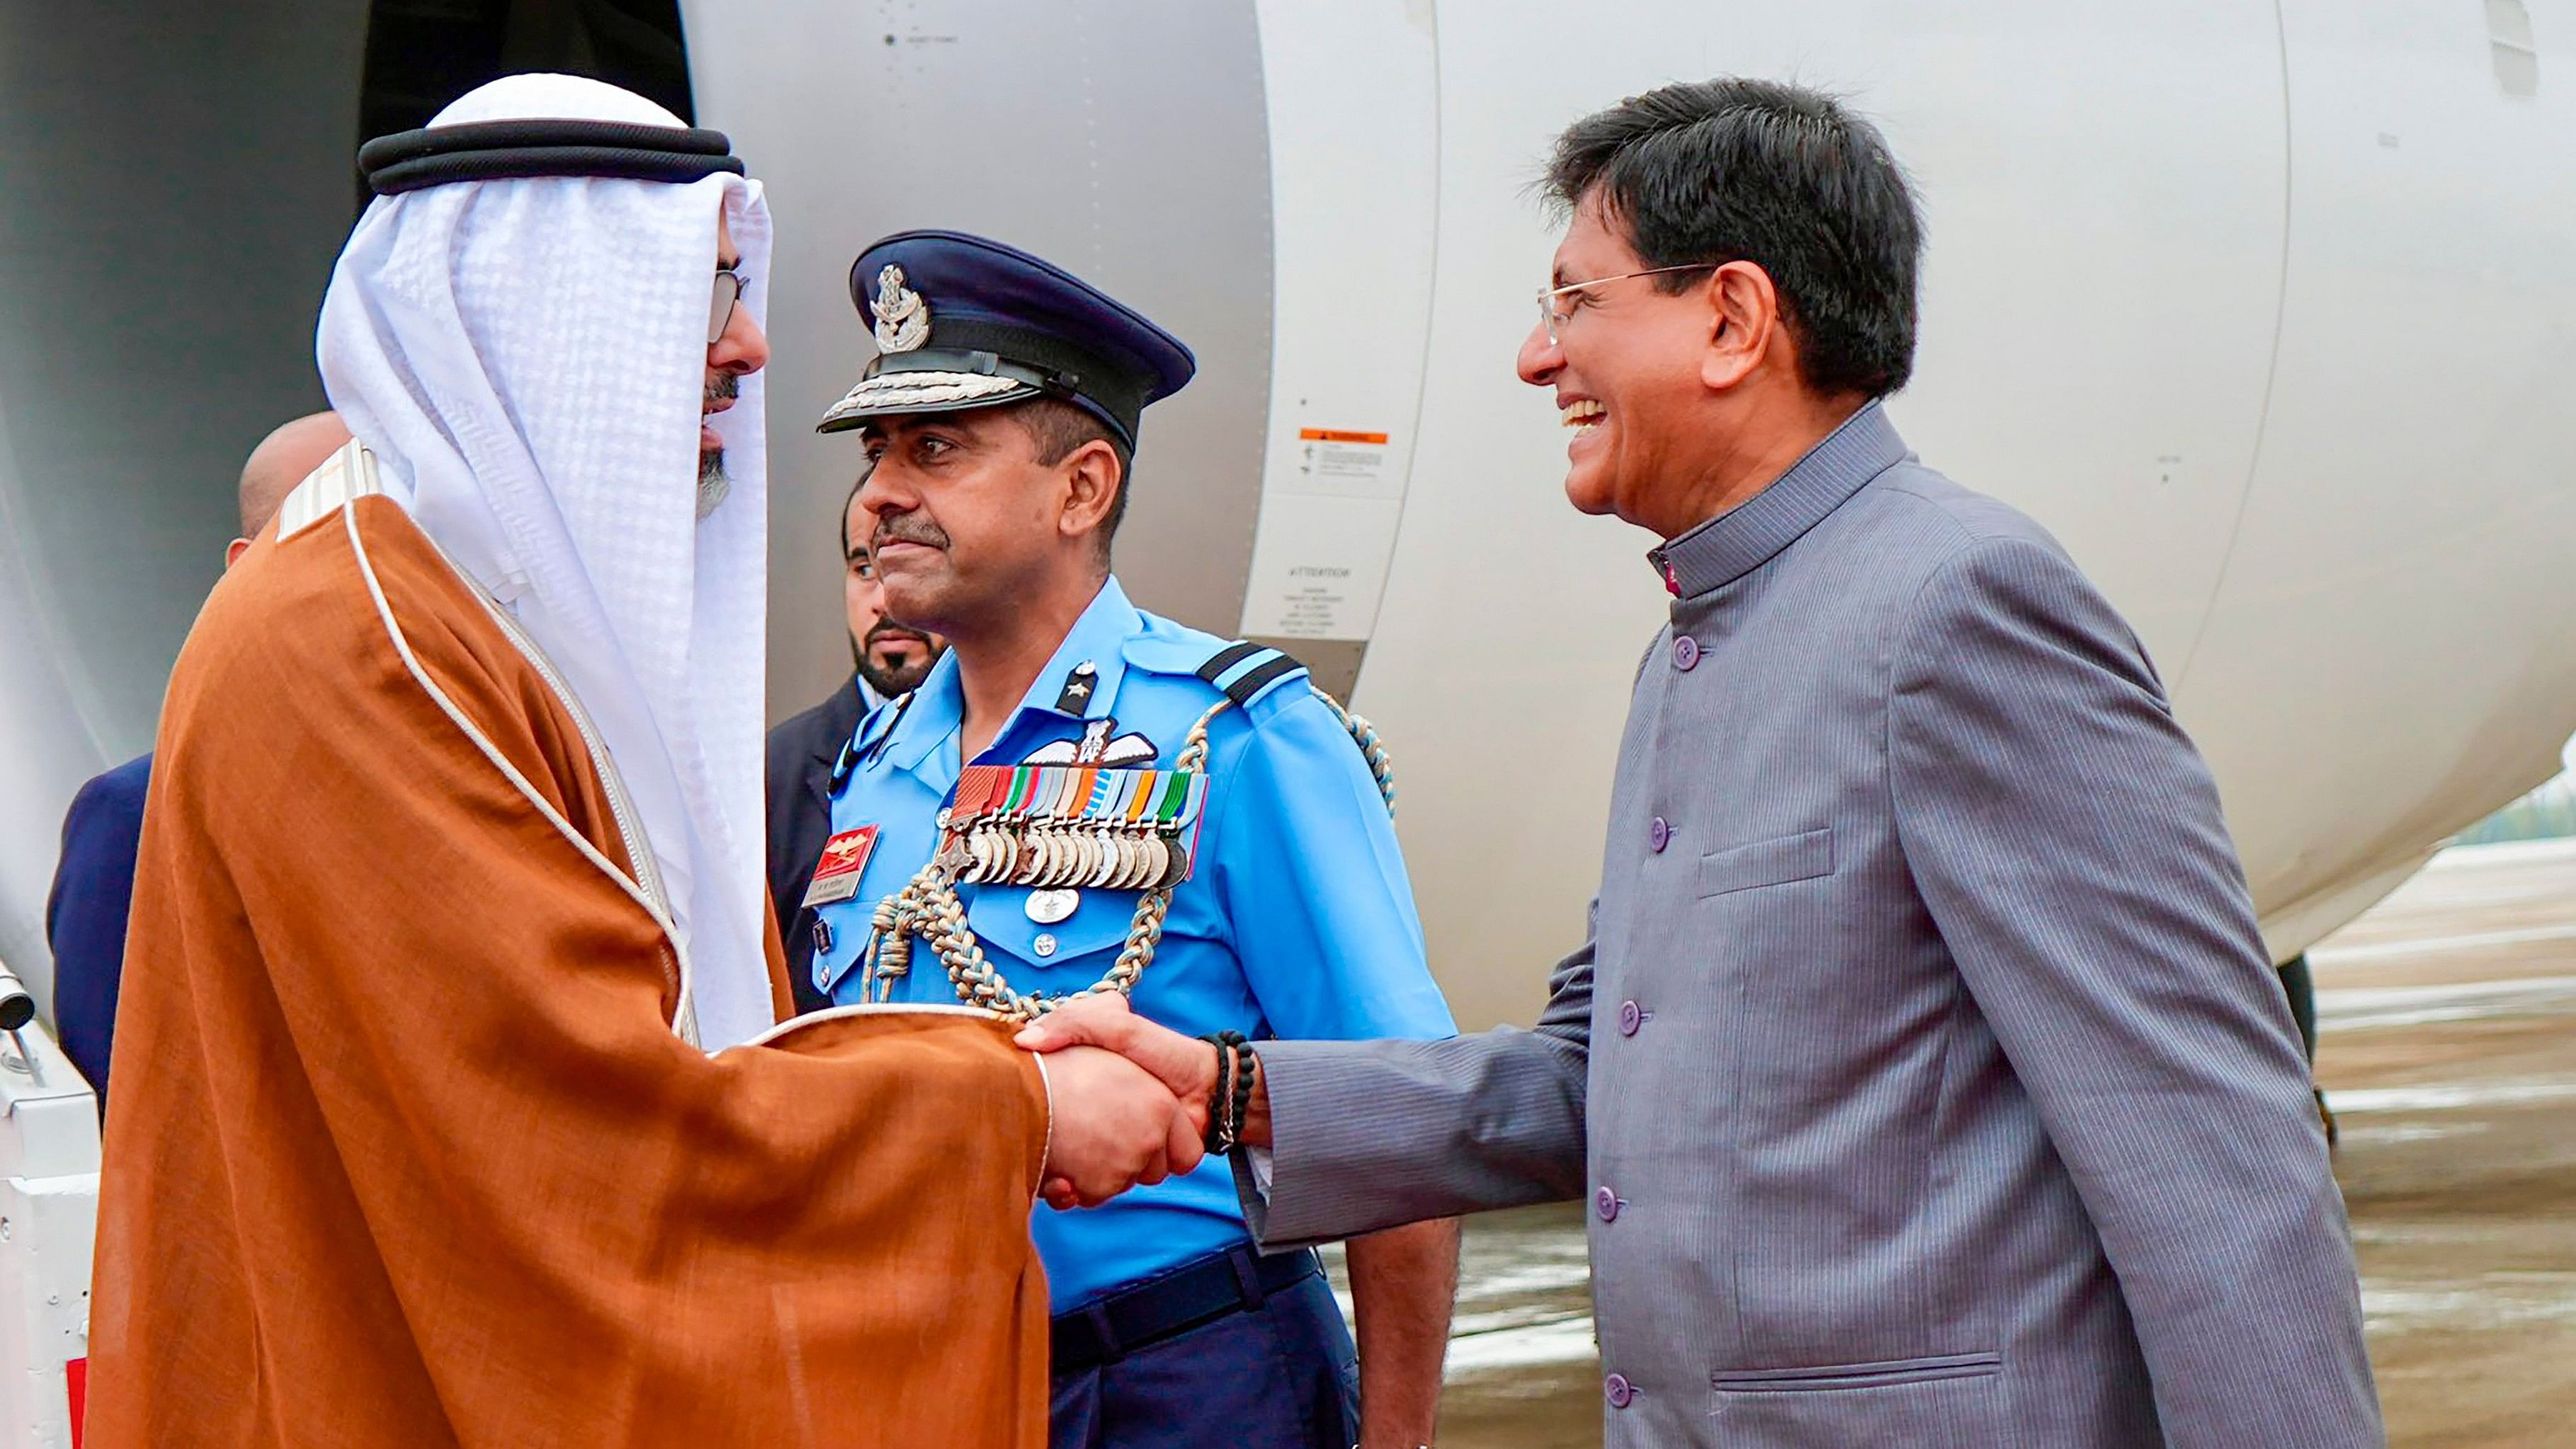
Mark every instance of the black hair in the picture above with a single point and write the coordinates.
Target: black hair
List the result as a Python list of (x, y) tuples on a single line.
[(1775, 174), (1058, 427)]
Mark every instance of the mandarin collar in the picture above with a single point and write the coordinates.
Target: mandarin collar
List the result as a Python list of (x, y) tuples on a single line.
[(1716, 553), (1097, 637)]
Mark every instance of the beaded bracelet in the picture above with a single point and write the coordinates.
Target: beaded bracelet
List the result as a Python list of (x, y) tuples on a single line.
[(1245, 1064), (1223, 1123)]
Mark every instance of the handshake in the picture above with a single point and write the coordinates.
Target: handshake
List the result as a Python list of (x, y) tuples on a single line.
[(1129, 1100)]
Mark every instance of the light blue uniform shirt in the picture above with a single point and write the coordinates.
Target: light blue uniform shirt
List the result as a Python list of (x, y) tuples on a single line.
[(1297, 919)]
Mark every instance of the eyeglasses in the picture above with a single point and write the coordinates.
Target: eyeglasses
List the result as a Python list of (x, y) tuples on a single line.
[(730, 285), (1551, 317)]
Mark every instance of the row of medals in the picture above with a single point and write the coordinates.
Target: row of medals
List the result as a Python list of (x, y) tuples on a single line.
[(1058, 857)]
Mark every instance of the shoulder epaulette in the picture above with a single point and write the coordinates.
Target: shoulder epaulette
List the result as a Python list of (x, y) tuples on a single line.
[(1246, 671)]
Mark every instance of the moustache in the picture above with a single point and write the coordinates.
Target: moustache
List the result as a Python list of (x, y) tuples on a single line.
[(723, 385), (907, 528), (889, 629)]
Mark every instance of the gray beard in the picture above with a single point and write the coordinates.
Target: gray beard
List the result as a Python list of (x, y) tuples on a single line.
[(713, 485)]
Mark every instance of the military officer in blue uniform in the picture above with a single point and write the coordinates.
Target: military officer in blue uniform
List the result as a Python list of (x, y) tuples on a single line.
[(1119, 803)]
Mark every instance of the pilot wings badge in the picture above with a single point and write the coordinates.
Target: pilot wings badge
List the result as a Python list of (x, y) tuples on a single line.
[(903, 317), (1098, 747)]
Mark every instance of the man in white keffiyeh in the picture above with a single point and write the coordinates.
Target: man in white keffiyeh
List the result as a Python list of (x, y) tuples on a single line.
[(456, 1106), (521, 354)]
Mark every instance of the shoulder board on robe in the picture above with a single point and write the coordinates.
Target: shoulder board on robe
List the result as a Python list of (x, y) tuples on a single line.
[(345, 476)]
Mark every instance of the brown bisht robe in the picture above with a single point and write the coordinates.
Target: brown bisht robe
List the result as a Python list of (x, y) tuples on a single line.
[(405, 1151)]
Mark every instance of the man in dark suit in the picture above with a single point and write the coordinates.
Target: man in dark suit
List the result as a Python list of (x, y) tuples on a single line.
[(85, 917), (891, 659), (94, 880)]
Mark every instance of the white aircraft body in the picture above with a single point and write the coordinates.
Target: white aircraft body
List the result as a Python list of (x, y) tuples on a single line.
[(2262, 309), (2262, 306)]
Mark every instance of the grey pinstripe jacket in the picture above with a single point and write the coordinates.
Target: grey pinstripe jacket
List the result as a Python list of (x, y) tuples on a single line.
[(1924, 1070)]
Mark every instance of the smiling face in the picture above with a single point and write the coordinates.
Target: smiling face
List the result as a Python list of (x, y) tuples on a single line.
[(1626, 368)]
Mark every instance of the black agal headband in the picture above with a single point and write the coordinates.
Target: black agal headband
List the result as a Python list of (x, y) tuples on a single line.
[(506, 150)]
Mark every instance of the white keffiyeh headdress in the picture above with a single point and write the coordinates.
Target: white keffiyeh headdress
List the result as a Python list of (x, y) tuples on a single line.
[(526, 359)]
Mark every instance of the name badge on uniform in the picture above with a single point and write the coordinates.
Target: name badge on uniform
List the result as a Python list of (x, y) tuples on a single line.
[(836, 875)]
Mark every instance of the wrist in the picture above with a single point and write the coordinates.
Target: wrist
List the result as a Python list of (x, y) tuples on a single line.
[(1208, 1076)]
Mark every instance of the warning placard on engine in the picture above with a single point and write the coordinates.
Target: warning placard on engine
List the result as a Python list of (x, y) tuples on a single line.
[(1330, 502), (1344, 463), (1319, 566)]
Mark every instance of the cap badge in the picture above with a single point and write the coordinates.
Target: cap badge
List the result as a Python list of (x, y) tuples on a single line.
[(903, 318)]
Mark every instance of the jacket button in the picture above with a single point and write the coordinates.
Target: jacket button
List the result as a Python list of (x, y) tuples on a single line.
[(1607, 1203), (1630, 1018), (1618, 1391), (1685, 652), (1659, 833)]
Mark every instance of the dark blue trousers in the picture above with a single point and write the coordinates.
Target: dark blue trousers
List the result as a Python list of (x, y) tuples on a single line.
[(1280, 1376)]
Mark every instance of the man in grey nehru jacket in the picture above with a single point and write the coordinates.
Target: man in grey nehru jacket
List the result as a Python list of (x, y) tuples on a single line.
[(1923, 1072)]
